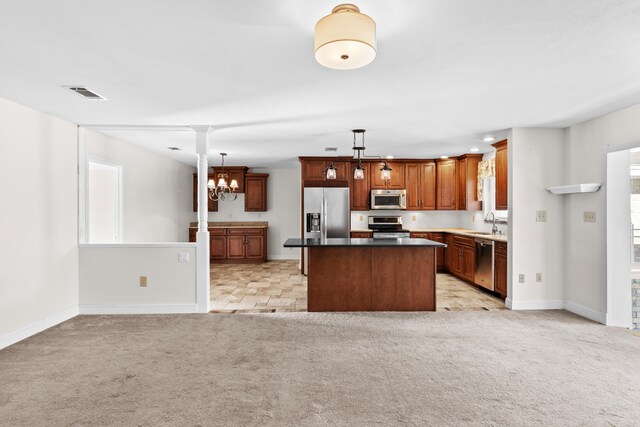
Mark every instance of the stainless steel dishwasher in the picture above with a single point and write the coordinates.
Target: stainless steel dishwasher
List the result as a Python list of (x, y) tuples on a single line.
[(484, 263)]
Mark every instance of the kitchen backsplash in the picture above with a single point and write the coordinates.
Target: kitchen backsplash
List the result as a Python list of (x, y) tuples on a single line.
[(425, 219)]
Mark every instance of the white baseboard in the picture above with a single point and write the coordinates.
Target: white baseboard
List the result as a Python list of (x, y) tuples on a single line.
[(583, 311), (534, 305), (283, 258), (37, 326), (138, 309)]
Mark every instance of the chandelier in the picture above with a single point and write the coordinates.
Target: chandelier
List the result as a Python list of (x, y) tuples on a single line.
[(222, 190), (345, 39)]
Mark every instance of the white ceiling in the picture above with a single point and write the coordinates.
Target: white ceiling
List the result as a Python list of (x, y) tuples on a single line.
[(447, 72)]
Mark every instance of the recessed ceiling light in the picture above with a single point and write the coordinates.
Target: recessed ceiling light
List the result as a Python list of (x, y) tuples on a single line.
[(330, 148), (389, 157), (444, 157), (175, 148), (489, 138), (474, 149)]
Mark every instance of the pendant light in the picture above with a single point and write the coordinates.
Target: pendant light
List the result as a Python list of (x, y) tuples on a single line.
[(385, 172), (331, 171), (345, 39), (222, 190), (358, 171)]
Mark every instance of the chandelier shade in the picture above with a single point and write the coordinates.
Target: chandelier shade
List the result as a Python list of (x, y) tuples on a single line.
[(345, 39)]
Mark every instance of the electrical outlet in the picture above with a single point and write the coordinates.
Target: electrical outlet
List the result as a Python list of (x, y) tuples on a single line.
[(541, 216), (538, 277), (413, 217), (589, 216), (183, 256), (521, 278), (473, 218), (143, 281), (360, 218)]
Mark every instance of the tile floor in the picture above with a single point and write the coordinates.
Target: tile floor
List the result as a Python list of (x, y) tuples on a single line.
[(277, 286)]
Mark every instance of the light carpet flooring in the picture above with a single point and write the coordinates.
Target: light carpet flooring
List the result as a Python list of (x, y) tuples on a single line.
[(493, 368), (277, 286)]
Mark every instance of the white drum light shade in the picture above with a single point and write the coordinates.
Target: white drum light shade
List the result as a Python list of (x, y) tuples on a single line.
[(345, 39)]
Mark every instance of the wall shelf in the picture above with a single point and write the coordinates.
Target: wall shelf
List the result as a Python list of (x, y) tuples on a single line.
[(575, 188)]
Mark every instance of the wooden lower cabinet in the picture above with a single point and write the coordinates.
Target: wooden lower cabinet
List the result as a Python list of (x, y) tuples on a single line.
[(440, 252), (500, 268), (462, 255), (361, 234), (236, 245)]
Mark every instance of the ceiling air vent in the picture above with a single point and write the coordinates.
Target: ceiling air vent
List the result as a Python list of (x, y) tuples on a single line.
[(330, 148), (86, 93)]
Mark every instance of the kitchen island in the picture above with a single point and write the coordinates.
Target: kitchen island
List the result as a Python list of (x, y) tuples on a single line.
[(370, 274)]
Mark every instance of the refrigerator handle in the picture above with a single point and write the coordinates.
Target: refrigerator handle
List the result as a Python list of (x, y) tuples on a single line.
[(323, 218)]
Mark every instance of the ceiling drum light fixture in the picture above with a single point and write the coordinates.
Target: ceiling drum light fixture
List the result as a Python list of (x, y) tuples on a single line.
[(222, 190), (345, 39)]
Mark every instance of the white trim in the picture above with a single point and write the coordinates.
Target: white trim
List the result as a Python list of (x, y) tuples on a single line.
[(139, 245), (138, 309), (283, 257), (534, 305), (571, 306), (37, 327), (583, 311)]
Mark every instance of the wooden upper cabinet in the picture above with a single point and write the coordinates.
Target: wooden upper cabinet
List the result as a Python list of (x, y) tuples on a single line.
[(501, 175), (234, 172), (396, 182), (255, 197), (467, 182), (213, 205), (420, 180), (446, 179), (314, 171), (359, 189)]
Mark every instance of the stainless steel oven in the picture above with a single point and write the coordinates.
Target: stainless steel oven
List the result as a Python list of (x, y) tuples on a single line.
[(389, 199)]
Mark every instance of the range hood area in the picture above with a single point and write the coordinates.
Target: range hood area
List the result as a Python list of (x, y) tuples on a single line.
[(575, 188)]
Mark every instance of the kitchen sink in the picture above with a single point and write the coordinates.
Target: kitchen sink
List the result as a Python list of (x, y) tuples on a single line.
[(482, 233)]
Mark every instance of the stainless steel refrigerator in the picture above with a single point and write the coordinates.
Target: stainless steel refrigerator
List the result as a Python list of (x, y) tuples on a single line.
[(326, 214)]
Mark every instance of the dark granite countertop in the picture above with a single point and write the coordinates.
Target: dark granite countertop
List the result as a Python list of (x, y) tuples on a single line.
[(306, 243)]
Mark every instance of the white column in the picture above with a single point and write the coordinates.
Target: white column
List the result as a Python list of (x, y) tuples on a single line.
[(203, 272)]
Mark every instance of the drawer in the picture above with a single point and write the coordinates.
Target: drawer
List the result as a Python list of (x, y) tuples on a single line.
[(420, 235), (437, 237), (361, 235), (217, 231), (465, 241), (245, 231), (500, 248)]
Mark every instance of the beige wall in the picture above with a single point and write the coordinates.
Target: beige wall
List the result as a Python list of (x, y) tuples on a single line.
[(38, 220), (157, 201), (171, 284), (587, 146)]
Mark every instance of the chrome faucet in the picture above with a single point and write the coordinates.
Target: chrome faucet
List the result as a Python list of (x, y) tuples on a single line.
[(494, 228)]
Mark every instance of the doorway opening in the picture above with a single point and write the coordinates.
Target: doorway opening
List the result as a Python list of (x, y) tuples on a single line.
[(104, 194)]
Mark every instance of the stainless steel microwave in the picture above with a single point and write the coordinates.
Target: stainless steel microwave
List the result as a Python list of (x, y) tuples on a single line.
[(388, 199)]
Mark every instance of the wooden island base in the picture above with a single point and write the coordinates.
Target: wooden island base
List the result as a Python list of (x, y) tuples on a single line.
[(370, 278)]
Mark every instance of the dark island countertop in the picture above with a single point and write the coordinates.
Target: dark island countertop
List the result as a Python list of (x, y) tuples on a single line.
[(343, 242)]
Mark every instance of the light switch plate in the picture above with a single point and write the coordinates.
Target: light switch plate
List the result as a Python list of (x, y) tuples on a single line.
[(541, 216), (521, 278), (183, 256), (538, 277), (143, 281), (589, 216)]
